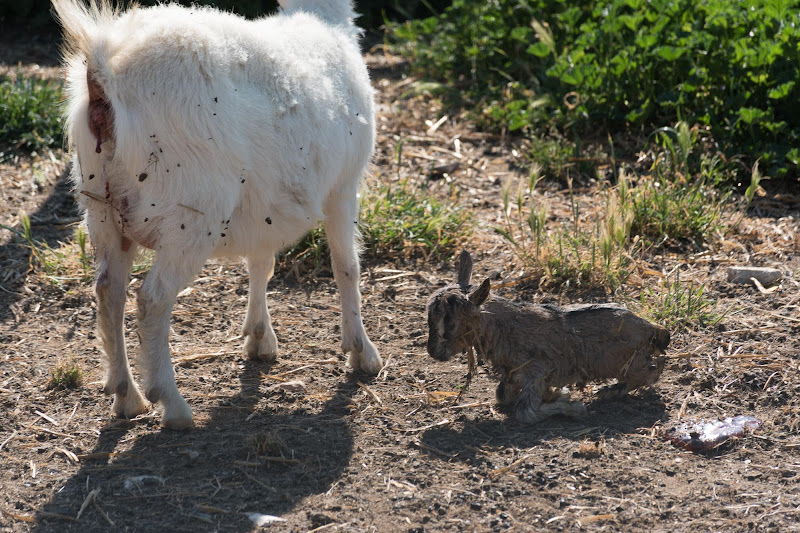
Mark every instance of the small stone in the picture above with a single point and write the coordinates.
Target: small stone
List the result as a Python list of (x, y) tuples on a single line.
[(742, 274)]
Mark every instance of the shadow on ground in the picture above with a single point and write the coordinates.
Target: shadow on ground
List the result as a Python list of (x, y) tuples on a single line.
[(607, 419), (212, 477), (51, 224)]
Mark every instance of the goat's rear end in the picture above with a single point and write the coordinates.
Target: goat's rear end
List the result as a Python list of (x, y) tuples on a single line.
[(198, 133)]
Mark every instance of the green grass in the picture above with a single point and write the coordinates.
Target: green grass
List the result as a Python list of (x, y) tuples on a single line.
[(681, 200), (634, 65), (678, 305), (397, 220), (68, 262), (66, 375), (400, 219), (81, 239), (586, 250), (685, 195), (30, 119)]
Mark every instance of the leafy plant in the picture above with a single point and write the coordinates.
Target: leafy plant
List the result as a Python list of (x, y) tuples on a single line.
[(730, 67), (29, 115)]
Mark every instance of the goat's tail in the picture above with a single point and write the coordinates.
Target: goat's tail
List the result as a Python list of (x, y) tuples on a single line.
[(333, 11), (81, 22)]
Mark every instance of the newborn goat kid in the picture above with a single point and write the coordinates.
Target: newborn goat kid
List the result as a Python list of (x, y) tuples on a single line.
[(538, 349), (198, 133)]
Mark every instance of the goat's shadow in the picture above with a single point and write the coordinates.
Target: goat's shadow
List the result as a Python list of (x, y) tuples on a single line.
[(242, 460), (607, 419), (50, 225)]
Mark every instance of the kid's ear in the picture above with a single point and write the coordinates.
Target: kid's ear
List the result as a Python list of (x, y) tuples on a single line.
[(464, 270), (480, 294)]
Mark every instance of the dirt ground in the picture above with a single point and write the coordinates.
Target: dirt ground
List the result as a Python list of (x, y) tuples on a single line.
[(324, 449)]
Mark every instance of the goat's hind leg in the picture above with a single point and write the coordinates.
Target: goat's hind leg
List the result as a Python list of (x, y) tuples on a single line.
[(261, 341), (341, 211), (114, 263), (618, 390), (172, 270)]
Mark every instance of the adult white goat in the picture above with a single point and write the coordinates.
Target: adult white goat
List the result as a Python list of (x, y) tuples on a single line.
[(199, 133)]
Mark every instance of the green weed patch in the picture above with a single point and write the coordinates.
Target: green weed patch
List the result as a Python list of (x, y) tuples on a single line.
[(30, 118), (397, 220), (731, 67)]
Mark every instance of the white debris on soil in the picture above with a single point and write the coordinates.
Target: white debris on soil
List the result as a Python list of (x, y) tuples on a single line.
[(264, 519), (765, 276), (138, 481)]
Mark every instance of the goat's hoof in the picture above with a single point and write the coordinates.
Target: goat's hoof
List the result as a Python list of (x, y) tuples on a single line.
[(129, 405), (526, 416), (178, 424), (613, 391), (576, 410), (177, 415), (367, 360), (264, 349)]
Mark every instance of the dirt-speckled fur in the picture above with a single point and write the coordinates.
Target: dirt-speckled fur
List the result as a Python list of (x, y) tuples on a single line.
[(538, 349)]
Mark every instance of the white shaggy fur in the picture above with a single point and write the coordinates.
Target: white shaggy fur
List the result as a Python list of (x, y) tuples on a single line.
[(199, 133)]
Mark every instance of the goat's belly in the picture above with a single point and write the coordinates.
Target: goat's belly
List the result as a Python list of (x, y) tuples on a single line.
[(260, 236)]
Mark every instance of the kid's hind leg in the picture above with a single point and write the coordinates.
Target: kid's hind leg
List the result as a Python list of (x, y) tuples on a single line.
[(261, 341), (341, 211), (530, 408), (114, 260)]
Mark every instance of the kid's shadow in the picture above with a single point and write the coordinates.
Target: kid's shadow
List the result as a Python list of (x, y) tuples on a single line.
[(242, 460), (607, 419)]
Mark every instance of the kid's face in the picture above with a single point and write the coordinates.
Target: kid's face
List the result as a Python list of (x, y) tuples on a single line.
[(446, 325)]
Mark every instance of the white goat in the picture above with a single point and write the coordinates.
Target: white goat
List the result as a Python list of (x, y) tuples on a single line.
[(198, 133)]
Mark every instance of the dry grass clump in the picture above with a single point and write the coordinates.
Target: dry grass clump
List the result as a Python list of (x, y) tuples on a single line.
[(267, 444)]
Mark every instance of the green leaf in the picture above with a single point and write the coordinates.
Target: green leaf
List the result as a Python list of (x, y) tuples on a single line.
[(539, 49), (670, 53), (781, 90), (749, 115), (572, 77)]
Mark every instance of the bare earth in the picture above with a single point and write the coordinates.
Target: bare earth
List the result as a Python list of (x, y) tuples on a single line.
[(306, 440)]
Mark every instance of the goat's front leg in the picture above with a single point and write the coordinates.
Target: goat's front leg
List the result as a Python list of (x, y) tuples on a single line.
[(171, 271), (261, 341), (114, 258), (341, 211)]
